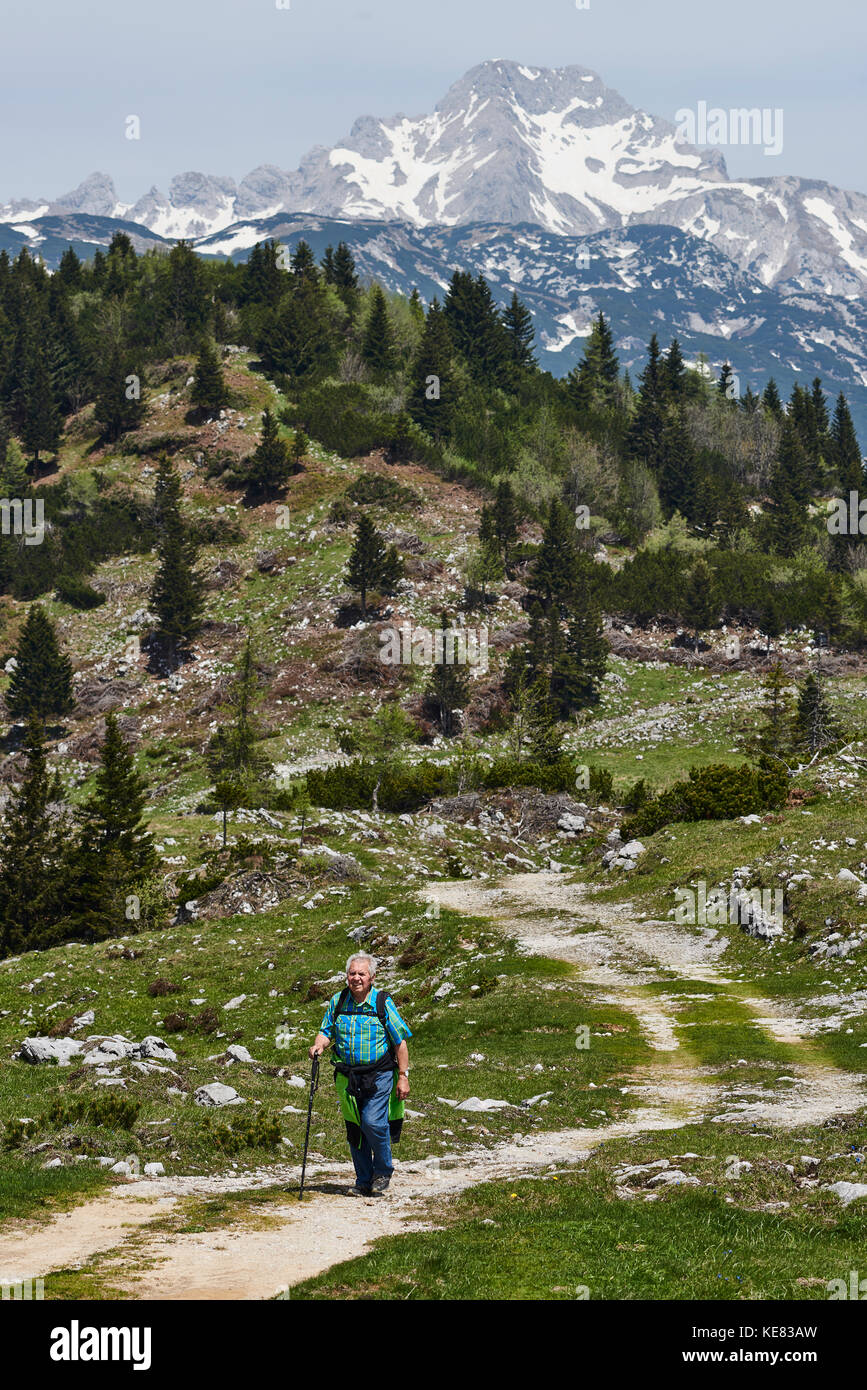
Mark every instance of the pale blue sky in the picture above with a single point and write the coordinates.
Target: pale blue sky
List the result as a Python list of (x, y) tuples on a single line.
[(223, 85)]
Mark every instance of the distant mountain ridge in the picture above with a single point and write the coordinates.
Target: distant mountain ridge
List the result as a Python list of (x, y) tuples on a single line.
[(513, 144)]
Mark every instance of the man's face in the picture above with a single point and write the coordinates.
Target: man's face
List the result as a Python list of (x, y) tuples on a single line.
[(359, 979)]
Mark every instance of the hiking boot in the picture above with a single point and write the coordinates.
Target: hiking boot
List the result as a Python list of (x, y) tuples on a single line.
[(380, 1184), (360, 1191)]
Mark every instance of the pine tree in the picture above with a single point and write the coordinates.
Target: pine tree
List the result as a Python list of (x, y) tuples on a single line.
[(700, 600), (431, 394), (815, 727), (476, 327), (592, 385), (675, 372), (41, 683), (554, 568), (371, 564), (447, 690), (33, 875), (118, 406), (208, 392), (845, 453), (544, 734), (177, 592), (726, 384), (345, 279), (505, 520), (115, 851), (578, 669), (232, 755), (518, 323), (773, 735), (648, 425), (677, 469), (42, 426), (270, 465), (786, 521), (378, 345), (771, 400)]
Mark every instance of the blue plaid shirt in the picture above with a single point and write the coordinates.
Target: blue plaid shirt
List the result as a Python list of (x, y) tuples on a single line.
[(361, 1038)]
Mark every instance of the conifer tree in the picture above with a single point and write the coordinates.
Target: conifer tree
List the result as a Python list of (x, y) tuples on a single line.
[(677, 469), (119, 406), (378, 345), (177, 592), (726, 383), (553, 573), (518, 323), (773, 736), (42, 426), (232, 754), (41, 683), (447, 690), (345, 279), (700, 602), (372, 565), (786, 521), (771, 400), (845, 453), (270, 465), (675, 372), (815, 727), (505, 520), (115, 851), (208, 392), (648, 425), (33, 876), (431, 395)]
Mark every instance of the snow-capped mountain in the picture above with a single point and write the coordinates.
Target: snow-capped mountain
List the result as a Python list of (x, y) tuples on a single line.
[(515, 144)]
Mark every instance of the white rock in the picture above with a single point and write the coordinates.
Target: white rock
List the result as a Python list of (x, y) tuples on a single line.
[(444, 990), (239, 1053), (632, 850), (236, 1002), (298, 1082), (154, 1170), (673, 1177), (848, 1191), (53, 1163), (122, 1167), (35, 1050), (153, 1046), (217, 1094), (847, 876), (571, 823)]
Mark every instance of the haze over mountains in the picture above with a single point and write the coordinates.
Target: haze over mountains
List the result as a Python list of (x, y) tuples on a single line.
[(513, 144), (518, 173)]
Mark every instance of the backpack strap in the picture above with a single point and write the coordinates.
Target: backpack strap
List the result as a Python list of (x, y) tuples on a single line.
[(381, 1013)]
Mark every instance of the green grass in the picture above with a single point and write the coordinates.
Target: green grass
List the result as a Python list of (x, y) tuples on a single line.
[(566, 1236)]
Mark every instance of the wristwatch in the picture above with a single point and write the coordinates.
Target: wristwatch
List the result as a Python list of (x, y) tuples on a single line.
[(404, 1073)]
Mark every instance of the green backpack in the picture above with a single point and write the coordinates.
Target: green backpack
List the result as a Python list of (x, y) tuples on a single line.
[(348, 1104)]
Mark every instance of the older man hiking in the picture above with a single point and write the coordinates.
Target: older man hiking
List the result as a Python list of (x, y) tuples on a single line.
[(369, 1038)]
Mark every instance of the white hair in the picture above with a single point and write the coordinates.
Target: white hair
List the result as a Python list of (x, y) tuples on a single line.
[(363, 955)]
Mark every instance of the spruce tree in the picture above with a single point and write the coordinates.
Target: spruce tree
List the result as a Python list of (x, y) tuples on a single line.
[(786, 520), (675, 372), (208, 392), (518, 323), (726, 384), (372, 565), (177, 592), (41, 683), (42, 426), (678, 470), (118, 406), (771, 400), (505, 520), (33, 876), (431, 394), (554, 568), (700, 607), (447, 691), (232, 755), (378, 345), (115, 852), (773, 735), (648, 425), (815, 727), (270, 465), (845, 453)]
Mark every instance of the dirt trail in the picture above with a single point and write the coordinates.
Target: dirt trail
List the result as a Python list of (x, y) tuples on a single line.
[(611, 950)]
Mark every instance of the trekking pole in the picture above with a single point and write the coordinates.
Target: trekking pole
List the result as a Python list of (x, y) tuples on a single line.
[(314, 1083)]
